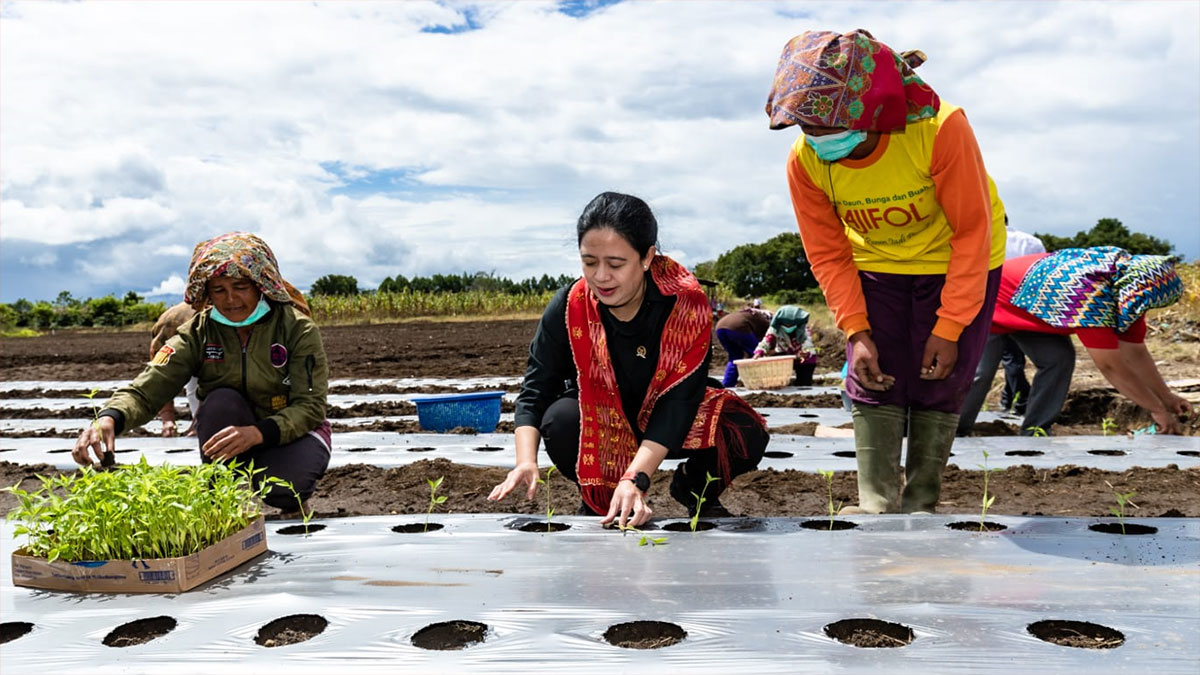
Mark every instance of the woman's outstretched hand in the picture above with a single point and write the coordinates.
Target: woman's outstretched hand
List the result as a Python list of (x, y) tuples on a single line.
[(524, 474), (628, 506)]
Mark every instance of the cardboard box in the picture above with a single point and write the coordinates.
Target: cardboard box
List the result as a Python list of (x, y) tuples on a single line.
[(163, 575)]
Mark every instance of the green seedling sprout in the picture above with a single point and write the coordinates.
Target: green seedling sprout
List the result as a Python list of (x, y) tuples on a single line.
[(828, 476), (1107, 426), (106, 458), (1038, 432), (695, 521), (434, 499), (644, 541), (549, 511), (1016, 399), (1119, 509), (987, 499)]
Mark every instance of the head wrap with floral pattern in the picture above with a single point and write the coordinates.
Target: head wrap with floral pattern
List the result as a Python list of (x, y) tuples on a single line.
[(239, 255), (849, 81)]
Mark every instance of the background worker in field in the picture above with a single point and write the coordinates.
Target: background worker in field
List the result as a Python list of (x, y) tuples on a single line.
[(789, 334), (165, 327), (1015, 394), (739, 333), (905, 234), (261, 368), (617, 379), (1098, 294)]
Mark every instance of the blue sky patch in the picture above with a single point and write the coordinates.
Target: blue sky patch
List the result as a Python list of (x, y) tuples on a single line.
[(582, 8), (470, 22)]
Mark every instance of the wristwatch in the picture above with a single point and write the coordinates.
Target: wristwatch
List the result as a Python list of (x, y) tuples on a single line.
[(640, 479)]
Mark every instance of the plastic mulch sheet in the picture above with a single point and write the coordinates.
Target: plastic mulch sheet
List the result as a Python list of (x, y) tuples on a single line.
[(751, 595)]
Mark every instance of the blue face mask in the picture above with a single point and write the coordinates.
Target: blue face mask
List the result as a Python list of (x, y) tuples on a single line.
[(259, 312), (833, 147)]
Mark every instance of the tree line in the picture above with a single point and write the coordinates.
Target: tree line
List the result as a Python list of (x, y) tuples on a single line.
[(339, 284), (67, 311)]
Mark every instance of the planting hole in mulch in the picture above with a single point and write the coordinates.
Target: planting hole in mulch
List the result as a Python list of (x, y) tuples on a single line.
[(1107, 453), (11, 630), (416, 528), (55, 452), (422, 448), (139, 632), (544, 527), (359, 449), (1185, 453), (289, 630), (8, 449), (870, 633), (449, 635), (1024, 453), (175, 451), (844, 453), (488, 448), (1082, 634), (808, 415), (686, 526), (778, 454), (300, 529), (124, 450), (827, 525), (1130, 528), (973, 526), (644, 635)]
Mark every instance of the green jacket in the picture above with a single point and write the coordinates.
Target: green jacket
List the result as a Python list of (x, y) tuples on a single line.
[(282, 373)]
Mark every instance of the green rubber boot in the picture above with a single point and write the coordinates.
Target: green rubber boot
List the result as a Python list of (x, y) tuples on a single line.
[(878, 434), (930, 435)]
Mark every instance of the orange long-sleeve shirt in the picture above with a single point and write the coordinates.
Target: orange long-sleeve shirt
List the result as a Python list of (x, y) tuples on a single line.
[(920, 203)]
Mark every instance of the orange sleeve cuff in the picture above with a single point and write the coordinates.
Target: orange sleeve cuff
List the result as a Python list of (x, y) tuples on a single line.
[(947, 329), (855, 323)]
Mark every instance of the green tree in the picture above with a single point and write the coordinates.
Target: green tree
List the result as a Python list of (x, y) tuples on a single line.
[(335, 284), (1109, 232), (760, 269)]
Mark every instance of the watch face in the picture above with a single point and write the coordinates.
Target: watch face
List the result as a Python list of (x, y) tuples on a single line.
[(641, 481)]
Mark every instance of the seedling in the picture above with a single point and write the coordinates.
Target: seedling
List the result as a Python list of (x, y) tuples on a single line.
[(708, 478), (1119, 509), (644, 541), (828, 475), (1038, 432), (107, 458), (434, 499), (1016, 400), (549, 510), (1107, 426), (987, 499)]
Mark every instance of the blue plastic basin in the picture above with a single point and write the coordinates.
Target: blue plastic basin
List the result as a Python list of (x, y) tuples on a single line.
[(480, 411)]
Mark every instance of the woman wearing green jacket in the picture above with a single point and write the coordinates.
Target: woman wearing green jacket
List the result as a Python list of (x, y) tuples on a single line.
[(260, 364)]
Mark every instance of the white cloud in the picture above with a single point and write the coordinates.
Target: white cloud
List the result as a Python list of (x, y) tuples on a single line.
[(172, 285), (139, 129)]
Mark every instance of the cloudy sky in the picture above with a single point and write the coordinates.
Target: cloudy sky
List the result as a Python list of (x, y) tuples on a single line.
[(420, 137)]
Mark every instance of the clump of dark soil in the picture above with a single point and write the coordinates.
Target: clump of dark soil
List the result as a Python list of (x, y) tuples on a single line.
[(11, 630), (976, 526), (139, 632), (377, 409), (871, 633), (1128, 528), (543, 527), (290, 630), (449, 635), (686, 526), (415, 528), (644, 634), (1082, 634), (300, 529), (769, 400), (828, 525)]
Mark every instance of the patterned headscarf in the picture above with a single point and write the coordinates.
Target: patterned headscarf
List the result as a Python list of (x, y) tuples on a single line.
[(1100, 287), (849, 81), (239, 255), (789, 318)]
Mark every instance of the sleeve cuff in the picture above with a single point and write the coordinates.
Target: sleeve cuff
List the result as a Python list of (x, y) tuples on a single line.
[(118, 419), (855, 323), (270, 432), (947, 329)]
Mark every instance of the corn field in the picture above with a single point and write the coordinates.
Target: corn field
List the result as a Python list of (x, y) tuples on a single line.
[(407, 304)]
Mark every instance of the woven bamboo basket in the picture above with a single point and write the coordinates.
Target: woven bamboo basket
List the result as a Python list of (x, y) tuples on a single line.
[(769, 372)]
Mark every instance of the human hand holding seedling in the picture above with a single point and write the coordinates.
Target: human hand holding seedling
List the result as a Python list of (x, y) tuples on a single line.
[(864, 363), (628, 506), (99, 438)]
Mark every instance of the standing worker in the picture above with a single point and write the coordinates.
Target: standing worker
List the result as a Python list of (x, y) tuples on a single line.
[(1015, 394), (905, 234), (1098, 294), (167, 326), (739, 334)]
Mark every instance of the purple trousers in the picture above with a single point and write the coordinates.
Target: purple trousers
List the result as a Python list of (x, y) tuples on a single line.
[(739, 345), (902, 309)]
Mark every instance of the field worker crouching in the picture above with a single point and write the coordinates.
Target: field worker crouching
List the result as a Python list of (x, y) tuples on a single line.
[(739, 334), (617, 378), (1098, 294), (905, 234), (789, 334), (167, 325), (261, 369)]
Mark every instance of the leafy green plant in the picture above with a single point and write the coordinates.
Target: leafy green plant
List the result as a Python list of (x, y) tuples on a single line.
[(434, 499), (828, 476), (1107, 426), (1016, 400), (549, 510), (695, 521), (644, 541), (137, 511), (987, 499), (1038, 432), (1119, 509)]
